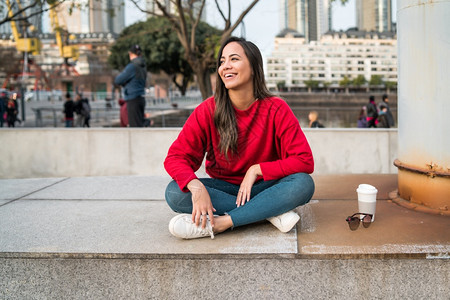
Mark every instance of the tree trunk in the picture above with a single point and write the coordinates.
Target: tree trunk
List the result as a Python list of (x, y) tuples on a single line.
[(203, 79)]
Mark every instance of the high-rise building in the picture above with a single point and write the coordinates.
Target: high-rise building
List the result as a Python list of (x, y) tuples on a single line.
[(94, 16), (310, 18), (151, 6), (374, 15), (35, 21)]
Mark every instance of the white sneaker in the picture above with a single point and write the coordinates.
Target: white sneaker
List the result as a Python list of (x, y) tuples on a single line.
[(182, 226), (285, 222)]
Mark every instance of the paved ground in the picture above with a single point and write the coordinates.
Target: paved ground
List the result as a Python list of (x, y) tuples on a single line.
[(122, 215)]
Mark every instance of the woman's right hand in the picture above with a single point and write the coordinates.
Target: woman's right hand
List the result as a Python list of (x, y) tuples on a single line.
[(201, 203)]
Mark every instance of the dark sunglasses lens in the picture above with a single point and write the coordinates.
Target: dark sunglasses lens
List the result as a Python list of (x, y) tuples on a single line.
[(353, 223), (366, 221)]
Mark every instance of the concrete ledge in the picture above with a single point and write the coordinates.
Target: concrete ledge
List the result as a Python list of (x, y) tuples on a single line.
[(107, 238), (244, 278), (74, 152)]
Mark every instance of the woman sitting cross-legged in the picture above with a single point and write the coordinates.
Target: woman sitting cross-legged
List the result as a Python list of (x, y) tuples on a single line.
[(257, 156)]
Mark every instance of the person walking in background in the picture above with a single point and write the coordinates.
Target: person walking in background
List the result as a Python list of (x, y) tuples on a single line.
[(11, 113), (389, 116), (258, 158), (79, 119), (68, 111), (85, 112), (372, 113), (16, 105), (133, 78), (123, 113), (314, 120), (362, 119), (383, 121), (3, 104)]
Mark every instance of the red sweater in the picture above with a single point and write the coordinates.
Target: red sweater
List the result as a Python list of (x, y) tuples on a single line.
[(268, 134)]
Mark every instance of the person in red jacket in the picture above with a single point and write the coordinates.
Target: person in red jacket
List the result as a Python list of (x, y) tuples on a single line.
[(257, 156)]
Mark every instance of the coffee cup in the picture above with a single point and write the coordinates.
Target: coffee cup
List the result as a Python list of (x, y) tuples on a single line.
[(367, 199)]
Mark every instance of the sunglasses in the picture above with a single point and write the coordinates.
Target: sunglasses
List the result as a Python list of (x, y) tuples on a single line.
[(353, 222)]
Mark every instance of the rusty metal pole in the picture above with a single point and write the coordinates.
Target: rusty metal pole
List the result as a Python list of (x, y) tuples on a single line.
[(423, 32)]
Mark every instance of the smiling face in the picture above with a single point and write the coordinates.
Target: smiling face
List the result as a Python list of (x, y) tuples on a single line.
[(234, 69)]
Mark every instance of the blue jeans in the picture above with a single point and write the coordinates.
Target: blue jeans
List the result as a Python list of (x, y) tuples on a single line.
[(268, 198)]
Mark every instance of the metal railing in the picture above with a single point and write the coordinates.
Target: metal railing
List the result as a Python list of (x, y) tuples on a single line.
[(106, 113)]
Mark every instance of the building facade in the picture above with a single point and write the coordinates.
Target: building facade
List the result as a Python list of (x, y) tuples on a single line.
[(152, 7), (35, 21), (93, 16), (374, 15), (310, 18), (336, 56)]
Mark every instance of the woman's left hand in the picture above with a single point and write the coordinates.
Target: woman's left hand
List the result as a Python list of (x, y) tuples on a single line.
[(247, 183)]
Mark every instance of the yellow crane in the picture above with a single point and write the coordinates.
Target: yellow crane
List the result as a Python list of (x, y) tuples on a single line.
[(24, 43), (63, 38), (27, 44)]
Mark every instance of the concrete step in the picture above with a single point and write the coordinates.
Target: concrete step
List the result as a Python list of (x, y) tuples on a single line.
[(107, 238)]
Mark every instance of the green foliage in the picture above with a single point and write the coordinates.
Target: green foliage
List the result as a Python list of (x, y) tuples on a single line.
[(156, 39), (390, 84), (281, 85), (161, 47), (326, 84), (376, 80), (345, 82), (313, 84), (359, 81)]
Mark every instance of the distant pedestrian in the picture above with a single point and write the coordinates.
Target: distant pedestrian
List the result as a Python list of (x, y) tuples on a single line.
[(389, 116), (383, 121), (133, 78), (16, 105), (123, 113), (314, 120), (3, 104), (68, 111), (362, 119), (11, 113), (86, 112), (79, 118), (372, 113)]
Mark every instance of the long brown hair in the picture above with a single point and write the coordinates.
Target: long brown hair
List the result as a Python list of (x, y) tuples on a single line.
[(224, 115)]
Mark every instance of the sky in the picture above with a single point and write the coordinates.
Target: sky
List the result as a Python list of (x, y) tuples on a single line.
[(262, 22)]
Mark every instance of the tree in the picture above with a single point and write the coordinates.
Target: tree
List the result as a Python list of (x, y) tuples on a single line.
[(375, 80), (21, 13), (281, 86), (185, 19), (30, 9), (161, 48), (311, 84), (345, 82), (359, 81), (326, 85), (390, 85)]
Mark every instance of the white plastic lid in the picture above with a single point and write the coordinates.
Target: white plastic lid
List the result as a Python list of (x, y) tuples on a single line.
[(366, 189), (365, 186)]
